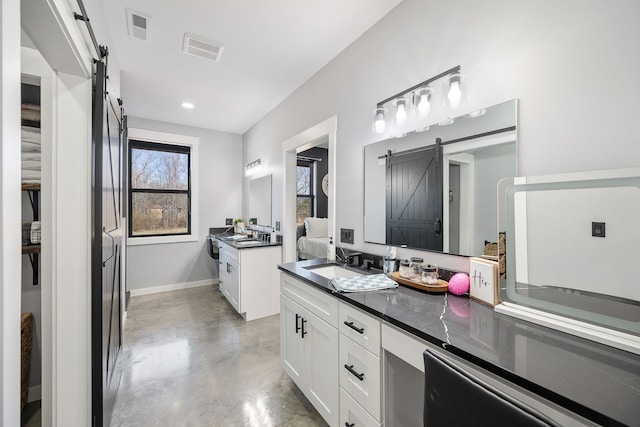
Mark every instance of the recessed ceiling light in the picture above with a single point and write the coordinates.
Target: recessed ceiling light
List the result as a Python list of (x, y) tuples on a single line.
[(187, 105)]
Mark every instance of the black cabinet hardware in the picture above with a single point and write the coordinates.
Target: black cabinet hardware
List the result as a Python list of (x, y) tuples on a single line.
[(303, 331), (355, 328), (357, 375), (298, 317), (346, 424)]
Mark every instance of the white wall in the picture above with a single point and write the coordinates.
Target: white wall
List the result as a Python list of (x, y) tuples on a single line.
[(570, 63), (220, 196)]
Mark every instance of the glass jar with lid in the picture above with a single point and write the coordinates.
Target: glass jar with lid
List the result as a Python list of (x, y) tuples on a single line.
[(416, 263), (429, 274), (405, 269)]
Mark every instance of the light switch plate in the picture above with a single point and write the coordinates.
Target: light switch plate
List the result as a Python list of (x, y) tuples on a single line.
[(277, 225), (346, 235)]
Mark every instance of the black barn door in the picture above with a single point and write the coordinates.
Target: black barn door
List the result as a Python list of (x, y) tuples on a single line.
[(414, 199), (106, 316)]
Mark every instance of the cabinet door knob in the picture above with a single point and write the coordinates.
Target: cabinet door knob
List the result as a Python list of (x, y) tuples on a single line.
[(346, 423), (355, 328), (298, 317), (353, 371)]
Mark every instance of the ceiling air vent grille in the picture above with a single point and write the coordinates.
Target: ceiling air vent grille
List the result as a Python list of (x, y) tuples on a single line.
[(199, 46), (138, 24)]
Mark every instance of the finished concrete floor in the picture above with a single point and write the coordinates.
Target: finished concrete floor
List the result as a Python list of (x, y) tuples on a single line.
[(189, 360)]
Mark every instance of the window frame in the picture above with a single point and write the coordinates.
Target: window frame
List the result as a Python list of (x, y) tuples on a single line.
[(183, 143)]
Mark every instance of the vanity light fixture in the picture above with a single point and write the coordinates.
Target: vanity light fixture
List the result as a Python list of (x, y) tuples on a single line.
[(422, 101), (379, 124), (401, 110), (455, 90), (418, 104), (253, 168)]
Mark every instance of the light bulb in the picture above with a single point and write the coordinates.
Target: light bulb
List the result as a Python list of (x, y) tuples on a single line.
[(455, 94), (379, 124), (401, 114), (424, 106)]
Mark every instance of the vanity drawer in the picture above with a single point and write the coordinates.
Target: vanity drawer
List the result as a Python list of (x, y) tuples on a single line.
[(352, 414), (360, 327), (317, 302), (360, 375)]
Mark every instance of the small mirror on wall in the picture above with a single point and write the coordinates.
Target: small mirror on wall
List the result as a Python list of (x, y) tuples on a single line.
[(260, 200)]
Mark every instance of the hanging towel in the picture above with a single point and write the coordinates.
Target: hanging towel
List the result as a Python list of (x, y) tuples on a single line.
[(372, 282)]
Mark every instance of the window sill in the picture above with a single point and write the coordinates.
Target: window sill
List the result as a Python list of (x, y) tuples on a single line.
[(157, 240)]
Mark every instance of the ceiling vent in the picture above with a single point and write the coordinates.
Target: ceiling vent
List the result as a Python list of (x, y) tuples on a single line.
[(199, 46), (138, 24)]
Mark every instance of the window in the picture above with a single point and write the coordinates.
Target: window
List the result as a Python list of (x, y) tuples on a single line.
[(304, 191), (163, 187), (160, 190)]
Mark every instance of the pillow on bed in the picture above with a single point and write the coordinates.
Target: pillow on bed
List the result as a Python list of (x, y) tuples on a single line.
[(316, 227)]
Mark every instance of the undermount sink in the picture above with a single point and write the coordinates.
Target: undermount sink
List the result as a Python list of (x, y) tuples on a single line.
[(332, 271)]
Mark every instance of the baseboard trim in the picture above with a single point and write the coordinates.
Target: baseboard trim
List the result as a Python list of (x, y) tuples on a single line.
[(35, 393), (174, 287)]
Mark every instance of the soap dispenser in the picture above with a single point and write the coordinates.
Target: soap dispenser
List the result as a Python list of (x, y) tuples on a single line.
[(274, 236)]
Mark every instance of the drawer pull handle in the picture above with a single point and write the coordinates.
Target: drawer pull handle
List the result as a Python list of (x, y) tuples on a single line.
[(298, 317), (357, 375), (355, 328), (303, 331), (346, 424)]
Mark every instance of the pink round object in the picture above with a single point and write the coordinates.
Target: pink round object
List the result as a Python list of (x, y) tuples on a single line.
[(459, 284)]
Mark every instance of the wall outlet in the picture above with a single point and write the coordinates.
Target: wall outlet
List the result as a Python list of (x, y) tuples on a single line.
[(346, 235), (277, 225), (228, 221)]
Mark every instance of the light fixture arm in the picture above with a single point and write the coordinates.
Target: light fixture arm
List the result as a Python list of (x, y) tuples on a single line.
[(453, 70)]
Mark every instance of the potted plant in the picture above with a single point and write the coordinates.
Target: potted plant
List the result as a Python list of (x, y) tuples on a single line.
[(238, 223)]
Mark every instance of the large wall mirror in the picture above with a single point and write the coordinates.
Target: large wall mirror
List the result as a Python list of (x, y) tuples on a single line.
[(436, 189), (260, 200)]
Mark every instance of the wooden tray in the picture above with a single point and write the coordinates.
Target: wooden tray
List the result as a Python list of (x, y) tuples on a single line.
[(442, 285)]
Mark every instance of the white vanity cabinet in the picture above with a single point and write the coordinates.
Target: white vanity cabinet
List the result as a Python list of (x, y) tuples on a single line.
[(360, 368), (249, 279), (309, 344)]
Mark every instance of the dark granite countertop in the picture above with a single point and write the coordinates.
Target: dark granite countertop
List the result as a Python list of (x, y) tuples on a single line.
[(599, 382)]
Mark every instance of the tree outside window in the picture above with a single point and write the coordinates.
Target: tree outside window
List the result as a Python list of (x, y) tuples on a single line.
[(160, 189), (304, 191)]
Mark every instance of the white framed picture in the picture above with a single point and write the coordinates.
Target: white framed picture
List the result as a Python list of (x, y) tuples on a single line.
[(483, 275)]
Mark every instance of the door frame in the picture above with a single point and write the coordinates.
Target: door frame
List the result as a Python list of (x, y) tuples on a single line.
[(309, 138)]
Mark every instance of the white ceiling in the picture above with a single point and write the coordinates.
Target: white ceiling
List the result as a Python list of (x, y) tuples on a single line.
[(271, 47)]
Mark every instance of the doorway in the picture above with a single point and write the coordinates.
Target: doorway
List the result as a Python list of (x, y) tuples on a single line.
[(322, 133)]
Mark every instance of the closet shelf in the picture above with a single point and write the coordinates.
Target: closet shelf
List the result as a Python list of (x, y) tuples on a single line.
[(31, 186), (31, 249)]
